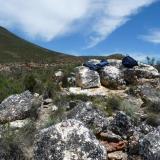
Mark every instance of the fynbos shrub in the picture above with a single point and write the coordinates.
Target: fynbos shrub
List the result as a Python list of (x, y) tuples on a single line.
[(29, 82)]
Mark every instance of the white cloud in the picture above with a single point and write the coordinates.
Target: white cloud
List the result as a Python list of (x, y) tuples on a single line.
[(115, 14), (44, 18), (49, 19), (153, 36)]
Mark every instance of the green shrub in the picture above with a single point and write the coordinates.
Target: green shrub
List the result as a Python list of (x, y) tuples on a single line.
[(107, 104), (51, 121), (9, 86), (7, 135), (37, 80), (114, 102), (56, 117), (29, 82), (11, 137), (26, 134), (153, 107), (130, 110), (153, 119)]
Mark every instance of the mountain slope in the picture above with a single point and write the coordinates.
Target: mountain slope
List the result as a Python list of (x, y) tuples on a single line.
[(14, 49)]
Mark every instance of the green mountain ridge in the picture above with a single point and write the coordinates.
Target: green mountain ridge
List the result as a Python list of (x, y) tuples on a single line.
[(14, 49)]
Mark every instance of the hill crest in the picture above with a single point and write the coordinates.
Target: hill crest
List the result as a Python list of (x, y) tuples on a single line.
[(14, 49)]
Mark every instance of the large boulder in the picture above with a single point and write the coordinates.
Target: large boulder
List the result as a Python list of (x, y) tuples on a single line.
[(112, 77), (92, 117), (130, 76), (16, 107), (86, 78), (145, 71), (150, 97), (121, 125), (68, 140), (150, 145)]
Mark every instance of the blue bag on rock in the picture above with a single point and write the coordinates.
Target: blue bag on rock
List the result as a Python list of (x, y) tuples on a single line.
[(129, 62), (102, 64), (96, 67), (91, 66)]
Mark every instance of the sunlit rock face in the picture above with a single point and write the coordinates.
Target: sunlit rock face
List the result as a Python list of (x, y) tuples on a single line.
[(68, 140), (86, 78), (112, 77), (142, 71), (16, 107)]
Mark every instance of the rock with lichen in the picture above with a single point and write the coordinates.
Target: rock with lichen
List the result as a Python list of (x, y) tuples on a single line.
[(68, 140)]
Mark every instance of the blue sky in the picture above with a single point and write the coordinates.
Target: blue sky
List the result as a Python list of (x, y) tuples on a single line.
[(87, 27)]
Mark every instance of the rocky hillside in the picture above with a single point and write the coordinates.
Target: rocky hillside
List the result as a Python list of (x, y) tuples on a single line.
[(112, 113), (14, 49)]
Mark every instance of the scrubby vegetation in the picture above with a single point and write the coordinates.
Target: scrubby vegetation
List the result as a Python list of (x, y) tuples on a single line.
[(153, 119), (153, 113), (37, 80), (108, 105), (9, 85), (130, 110), (55, 118), (12, 141)]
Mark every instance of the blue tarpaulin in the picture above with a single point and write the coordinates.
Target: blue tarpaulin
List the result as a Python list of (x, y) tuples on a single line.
[(96, 67)]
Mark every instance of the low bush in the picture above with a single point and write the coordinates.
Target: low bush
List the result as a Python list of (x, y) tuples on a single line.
[(56, 117), (9, 86), (29, 82), (153, 119), (108, 105), (130, 110), (153, 107), (12, 141), (114, 102)]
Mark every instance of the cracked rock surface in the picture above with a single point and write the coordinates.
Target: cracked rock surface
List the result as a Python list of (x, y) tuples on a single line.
[(68, 140)]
